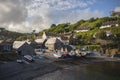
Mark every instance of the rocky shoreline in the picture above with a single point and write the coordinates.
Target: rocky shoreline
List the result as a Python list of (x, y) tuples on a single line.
[(85, 69), (21, 71), (43, 66)]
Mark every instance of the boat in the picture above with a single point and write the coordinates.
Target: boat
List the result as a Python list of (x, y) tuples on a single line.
[(57, 55), (28, 58), (19, 61)]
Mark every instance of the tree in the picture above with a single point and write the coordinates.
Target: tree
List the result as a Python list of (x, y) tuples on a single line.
[(104, 19), (80, 22), (101, 35), (91, 20), (53, 25), (63, 25)]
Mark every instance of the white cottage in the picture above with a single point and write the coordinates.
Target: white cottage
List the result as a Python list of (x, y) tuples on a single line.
[(23, 48), (109, 24), (82, 29)]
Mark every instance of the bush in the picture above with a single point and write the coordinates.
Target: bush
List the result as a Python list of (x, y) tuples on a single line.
[(93, 47)]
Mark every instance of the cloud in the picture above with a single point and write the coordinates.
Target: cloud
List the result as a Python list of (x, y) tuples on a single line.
[(73, 16), (28, 15), (117, 9), (59, 4), (12, 13)]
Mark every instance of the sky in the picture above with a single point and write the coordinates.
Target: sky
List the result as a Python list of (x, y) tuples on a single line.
[(27, 15)]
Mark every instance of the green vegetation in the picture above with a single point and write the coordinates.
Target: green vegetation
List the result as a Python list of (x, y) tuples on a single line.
[(15, 35), (9, 34), (93, 47), (60, 28), (93, 23), (95, 33), (85, 38), (96, 38)]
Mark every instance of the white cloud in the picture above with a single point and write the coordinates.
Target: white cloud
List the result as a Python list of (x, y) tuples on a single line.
[(12, 13), (28, 15), (59, 4), (117, 9), (73, 16)]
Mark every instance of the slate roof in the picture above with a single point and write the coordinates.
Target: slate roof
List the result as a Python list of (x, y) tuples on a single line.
[(52, 40)]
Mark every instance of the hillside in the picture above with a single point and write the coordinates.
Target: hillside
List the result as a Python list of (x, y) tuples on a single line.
[(5, 34), (93, 23), (95, 36)]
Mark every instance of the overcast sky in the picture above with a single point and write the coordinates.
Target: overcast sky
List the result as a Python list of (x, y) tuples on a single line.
[(28, 15)]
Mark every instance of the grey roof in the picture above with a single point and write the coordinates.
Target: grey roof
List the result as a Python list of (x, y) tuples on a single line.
[(53, 40)]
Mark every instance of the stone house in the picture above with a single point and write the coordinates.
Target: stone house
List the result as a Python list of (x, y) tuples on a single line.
[(23, 48), (69, 39), (54, 43), (6, 46)]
